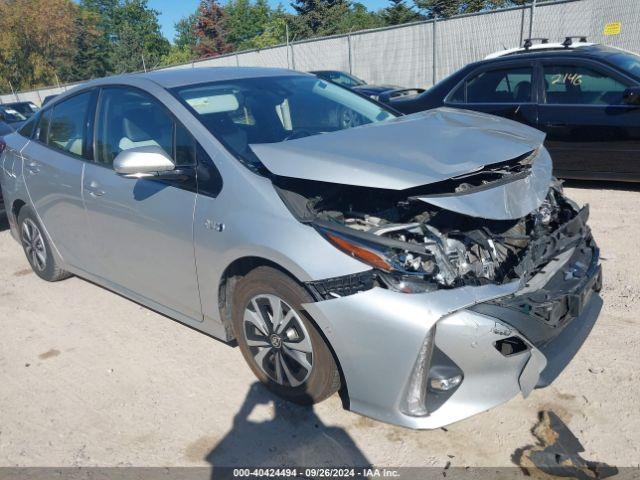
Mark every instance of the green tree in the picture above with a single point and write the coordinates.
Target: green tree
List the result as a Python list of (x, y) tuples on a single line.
[(447, 8), (211, 29), (398, 13), (90, 52), (245, 21), (178, 55), (318, 17), (37, 42), (358, 17), (186, 32), (138, 40)]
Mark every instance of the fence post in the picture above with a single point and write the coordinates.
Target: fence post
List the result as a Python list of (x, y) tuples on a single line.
[(433, 51), (349, 48), (524, 9), (293, 58), (533, 11), (237, 60)]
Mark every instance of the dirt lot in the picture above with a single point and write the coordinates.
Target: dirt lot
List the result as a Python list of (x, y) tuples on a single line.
[(90, 378)]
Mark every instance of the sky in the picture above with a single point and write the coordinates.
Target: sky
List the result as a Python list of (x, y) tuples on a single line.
[(173, 10)]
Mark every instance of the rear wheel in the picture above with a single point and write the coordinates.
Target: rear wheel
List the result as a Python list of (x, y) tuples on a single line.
[(281, 345), (37, 248)]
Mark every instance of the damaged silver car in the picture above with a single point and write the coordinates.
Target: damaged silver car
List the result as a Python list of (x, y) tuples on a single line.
[(427, 267)]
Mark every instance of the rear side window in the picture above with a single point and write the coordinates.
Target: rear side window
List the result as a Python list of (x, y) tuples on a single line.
[(129, 119), (581, 85), (507, 85), (67, 126)]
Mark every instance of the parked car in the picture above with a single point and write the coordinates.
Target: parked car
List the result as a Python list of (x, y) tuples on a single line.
[(25, 108), (11, 117), (5, 129), (427, 266), (585, 97), (47, 99), (381, 93)]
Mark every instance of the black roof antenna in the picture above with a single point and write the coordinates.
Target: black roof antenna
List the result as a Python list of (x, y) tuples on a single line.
[(528, 43), (568, 41)]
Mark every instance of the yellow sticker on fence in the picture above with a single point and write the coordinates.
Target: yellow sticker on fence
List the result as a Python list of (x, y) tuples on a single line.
[(613, 28)]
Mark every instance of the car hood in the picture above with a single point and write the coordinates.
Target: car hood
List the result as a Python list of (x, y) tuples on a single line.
[(375, 89), (404, 152)]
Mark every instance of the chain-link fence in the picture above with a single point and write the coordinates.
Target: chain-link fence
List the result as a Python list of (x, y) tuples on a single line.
[(420, 54)]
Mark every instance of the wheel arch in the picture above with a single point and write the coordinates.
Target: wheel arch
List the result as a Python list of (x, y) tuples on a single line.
[(241, 267)]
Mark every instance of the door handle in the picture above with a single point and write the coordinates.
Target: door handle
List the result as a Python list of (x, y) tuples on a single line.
[(33, 168), (555, 124), (94, 190)]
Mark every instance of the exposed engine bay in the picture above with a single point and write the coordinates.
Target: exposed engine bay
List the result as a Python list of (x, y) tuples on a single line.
[(415, 246)]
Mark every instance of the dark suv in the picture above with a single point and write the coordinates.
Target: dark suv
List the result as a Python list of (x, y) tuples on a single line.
[(585, 97)]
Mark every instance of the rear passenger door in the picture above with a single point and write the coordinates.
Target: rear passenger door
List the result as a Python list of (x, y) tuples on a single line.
[(142, 228), (505, 90), (53, 163), (590, 131)]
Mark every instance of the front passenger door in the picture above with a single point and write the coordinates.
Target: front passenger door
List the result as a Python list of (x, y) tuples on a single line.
[(143, 228), (591, 132)]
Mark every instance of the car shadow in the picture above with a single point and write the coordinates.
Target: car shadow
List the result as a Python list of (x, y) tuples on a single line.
[(4, 220), (293, 436), (602, 185)]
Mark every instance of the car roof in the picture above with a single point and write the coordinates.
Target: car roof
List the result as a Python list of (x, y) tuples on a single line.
[(553, 50), (179, 77)]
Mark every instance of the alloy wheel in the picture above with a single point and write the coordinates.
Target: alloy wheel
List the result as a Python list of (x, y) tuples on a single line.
[(33, 244), (278, 340)]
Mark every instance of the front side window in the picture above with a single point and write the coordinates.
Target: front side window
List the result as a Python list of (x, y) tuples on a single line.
[(128, 119), (66, 129), (276, 109), (506, 85), (580, 85)]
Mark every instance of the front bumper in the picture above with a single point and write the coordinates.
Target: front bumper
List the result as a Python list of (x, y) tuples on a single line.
[(378, 336)]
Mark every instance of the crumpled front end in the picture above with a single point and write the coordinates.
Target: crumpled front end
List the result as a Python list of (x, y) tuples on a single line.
[(429, 359), (463, 309)]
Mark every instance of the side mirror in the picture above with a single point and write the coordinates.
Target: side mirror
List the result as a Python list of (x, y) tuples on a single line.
[(631, 96), (143, 162)]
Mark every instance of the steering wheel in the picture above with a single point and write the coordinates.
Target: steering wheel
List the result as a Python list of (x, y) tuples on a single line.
[(301, 133)]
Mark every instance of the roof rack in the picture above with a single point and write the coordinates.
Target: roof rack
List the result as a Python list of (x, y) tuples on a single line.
[(568, 41), (528, 43)]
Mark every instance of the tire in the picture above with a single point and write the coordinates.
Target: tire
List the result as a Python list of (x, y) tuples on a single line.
[(280, 355), (37, 249)]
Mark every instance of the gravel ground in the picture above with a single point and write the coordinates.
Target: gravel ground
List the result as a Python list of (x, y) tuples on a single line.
[(89, 378)]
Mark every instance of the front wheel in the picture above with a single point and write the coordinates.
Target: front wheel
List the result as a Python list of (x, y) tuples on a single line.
[(281, 345), (37, 249)]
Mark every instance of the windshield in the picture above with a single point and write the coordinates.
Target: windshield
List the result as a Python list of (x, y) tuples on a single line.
[(11, 115), (626, 61), (276, 109)]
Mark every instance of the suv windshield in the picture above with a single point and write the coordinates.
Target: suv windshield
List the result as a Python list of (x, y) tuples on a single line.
[(626, 61), (276, 109), (10, 115)]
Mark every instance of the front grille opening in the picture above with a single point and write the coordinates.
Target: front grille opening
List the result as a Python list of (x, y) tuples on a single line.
[(511, 346)]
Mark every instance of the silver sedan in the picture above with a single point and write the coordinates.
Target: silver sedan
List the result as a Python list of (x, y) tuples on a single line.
[(428, 267)]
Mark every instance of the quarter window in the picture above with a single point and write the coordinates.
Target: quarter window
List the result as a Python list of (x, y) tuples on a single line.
[(580, 85), (43, 127), (29, 126), (67, 127), (512, 85)]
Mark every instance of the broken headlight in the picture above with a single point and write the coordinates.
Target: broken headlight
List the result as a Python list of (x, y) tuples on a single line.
[(398, 269)]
